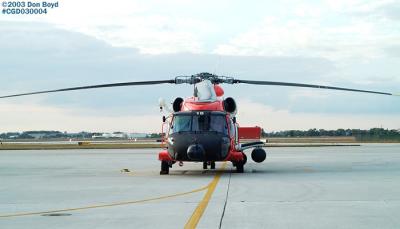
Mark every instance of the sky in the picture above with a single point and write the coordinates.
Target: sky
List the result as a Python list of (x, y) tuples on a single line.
[(344, 43)]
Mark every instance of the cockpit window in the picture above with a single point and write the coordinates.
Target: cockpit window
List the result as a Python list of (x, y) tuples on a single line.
[(204, 121), (209, 123), (218, 123), (182, 123), (201, 122)]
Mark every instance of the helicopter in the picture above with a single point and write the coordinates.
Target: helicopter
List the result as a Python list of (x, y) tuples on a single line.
[(203, 127)]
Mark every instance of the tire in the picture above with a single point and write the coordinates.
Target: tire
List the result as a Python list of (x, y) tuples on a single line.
[(164, 168), (239, 167), (244, 158), (212, 165)]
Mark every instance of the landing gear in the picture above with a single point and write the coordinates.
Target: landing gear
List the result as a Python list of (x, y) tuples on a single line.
[(164, 168), (240, 164), (212, 165), (244, 159), (240, 167)]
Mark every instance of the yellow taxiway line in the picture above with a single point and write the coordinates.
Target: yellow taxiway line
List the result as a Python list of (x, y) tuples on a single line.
[(105, 205), (191, 223), (198, 212)]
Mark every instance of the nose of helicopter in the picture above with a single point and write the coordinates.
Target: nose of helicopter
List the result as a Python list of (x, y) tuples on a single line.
[(206, 146), (196, 152)]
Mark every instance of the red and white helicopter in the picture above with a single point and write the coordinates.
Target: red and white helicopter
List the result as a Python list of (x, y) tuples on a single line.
[(203, 128)]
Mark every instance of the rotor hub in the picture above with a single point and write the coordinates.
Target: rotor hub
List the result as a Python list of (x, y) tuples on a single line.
[(197, 78)]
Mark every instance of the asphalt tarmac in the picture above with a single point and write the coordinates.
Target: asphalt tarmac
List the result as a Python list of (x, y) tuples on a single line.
[(316, 187)]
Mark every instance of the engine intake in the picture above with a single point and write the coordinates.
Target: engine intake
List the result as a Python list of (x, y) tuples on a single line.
[(230, 105), (177, 104)]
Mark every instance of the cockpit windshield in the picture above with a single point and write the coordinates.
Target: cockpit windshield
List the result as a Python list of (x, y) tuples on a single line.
[(200, 121), (182, 123)]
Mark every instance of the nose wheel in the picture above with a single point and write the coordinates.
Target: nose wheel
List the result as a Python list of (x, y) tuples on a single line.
[(211, 163), (240, 167)]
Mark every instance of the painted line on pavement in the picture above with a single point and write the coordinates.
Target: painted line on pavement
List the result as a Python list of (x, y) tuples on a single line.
[(201, 207)]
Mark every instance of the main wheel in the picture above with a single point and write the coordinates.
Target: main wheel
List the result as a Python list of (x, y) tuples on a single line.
[(204, 165), (164, 168), (239, 167), (244, 158), (212, 165)]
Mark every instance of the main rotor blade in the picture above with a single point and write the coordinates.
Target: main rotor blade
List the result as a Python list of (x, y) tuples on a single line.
[(307, 85), (94, 86)]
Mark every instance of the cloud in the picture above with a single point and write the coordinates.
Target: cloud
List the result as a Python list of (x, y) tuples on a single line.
[(277, 37), (40, 56), (17, 117), (24, 117), (381, 9), (271, 119), (328, 29), (126, 24), (393, 50), (337, 30)]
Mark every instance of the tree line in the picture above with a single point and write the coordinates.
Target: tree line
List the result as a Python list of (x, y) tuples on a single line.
[(374, 134), (371, 134)]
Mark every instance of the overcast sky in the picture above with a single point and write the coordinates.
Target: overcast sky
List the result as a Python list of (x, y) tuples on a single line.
[(345, 43)]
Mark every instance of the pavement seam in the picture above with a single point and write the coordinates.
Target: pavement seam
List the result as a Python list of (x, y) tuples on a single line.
[(226, 200)]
